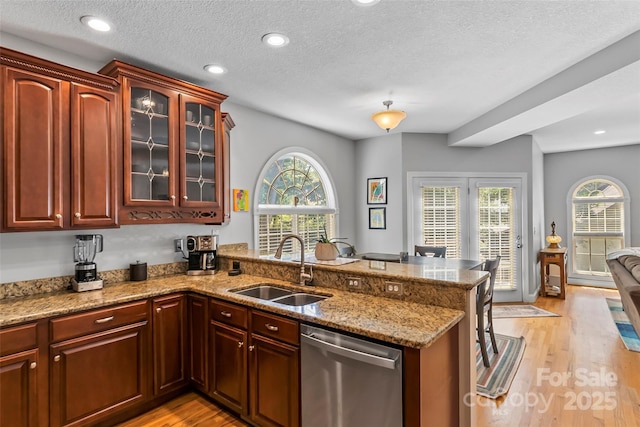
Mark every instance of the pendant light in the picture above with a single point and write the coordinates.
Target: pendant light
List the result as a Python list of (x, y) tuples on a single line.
[(388, 119)]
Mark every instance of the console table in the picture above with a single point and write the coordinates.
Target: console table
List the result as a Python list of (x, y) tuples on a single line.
[(557, 256)]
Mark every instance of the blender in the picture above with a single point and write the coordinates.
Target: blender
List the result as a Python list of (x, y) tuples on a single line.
[(86, 277)]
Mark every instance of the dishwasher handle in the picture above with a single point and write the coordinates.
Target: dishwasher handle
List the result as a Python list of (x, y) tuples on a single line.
[(372, 359)]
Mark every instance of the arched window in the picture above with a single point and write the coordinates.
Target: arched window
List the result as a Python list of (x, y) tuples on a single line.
[(599, 225), (294, 195)]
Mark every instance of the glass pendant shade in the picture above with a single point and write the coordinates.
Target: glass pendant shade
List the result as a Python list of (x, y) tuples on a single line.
[(388, 119)]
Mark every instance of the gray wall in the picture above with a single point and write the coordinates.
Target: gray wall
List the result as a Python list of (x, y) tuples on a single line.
[(378, 158), (256, 137), (563, 170)]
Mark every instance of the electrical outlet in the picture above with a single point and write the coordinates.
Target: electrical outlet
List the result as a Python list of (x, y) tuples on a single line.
[(354, 283), (394, 288), (177, 245)]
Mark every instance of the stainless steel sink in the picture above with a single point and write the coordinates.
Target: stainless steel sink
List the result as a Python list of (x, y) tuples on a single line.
[(300, 299), (280, 295), (267, 292)]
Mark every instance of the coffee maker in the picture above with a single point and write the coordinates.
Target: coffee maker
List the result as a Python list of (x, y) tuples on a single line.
[(84, 252), (203, 259)]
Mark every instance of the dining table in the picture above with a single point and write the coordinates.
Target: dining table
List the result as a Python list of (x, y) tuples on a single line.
[(445, 263)]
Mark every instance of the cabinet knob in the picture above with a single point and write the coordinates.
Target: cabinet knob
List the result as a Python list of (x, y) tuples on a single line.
[(56, 358), (185, 197), (251, 347), (58, 216), (158, 310), (77, 215), (240, 344), (172, 197), (34, 365)]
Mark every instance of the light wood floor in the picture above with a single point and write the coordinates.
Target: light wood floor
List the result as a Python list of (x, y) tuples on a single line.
[(582, 343)]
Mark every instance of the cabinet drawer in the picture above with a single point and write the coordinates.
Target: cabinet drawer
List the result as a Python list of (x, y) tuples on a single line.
[(97, 320), (276, 327), (231, 314), (17, 338), (554, 257)]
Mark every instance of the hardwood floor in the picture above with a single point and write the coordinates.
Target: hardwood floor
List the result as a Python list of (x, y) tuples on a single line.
[(575, 370), (190, 409), (601, 385)]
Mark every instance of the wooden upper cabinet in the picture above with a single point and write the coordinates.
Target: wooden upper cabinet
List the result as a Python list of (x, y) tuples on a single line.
[(173, 169), (227, 197), (93, 156), (59, 146), (34, 152)]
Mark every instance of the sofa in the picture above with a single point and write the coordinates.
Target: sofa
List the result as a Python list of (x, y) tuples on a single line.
[(625, 271)]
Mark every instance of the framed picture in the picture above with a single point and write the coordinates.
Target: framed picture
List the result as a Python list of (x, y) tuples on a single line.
[(240, 200), (377, 191), (378, 218)]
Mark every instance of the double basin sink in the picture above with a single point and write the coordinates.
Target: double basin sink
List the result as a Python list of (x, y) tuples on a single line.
[(280, 295)]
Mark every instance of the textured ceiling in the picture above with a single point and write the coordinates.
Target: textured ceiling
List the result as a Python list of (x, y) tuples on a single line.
[(480, 71)]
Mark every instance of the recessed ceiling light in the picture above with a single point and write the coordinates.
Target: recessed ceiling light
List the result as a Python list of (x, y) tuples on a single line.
[(96, 23), (275, 40), (600, 132), (365, 2), (215, 69)]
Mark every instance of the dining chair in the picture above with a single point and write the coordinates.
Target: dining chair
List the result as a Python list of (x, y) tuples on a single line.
[(484, 307), (345, 250), (437, 251)]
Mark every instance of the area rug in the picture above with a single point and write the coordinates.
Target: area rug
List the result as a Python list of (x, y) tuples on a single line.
[(519, 310), (495, 380), (625, 329)]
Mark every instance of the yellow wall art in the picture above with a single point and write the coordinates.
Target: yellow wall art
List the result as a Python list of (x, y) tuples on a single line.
[(240, 200)]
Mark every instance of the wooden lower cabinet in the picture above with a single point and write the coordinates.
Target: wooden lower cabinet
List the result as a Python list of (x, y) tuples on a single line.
[(254, 360), (274, 382), (169, 343), (19, 389), (229, 366), (198, 332), (22, 376), (96, 376)]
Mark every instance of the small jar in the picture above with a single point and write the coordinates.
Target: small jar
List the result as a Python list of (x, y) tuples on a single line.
[(138, 271)]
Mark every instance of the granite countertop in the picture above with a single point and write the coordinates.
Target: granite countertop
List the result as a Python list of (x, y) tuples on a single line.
[(440, 271), (404, 323)]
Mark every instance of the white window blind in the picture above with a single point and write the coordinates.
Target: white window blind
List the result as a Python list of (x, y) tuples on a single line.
[(441, 218), (598, 225), (495, 225), (272, 227)]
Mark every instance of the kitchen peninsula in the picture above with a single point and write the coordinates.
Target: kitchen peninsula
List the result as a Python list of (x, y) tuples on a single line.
[(433, 321)]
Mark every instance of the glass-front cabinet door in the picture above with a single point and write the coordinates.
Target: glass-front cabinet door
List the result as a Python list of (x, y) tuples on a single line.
[(150, 171), (200, 148)]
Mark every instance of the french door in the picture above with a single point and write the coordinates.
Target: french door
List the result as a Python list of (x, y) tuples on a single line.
[(475, 218)]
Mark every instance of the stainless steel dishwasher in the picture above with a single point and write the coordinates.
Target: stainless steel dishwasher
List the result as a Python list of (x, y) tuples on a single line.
[(349, 382)]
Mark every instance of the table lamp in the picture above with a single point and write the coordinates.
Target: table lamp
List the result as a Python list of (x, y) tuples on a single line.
[(553, 239)]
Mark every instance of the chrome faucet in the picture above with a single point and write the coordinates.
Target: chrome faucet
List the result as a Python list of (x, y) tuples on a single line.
[(304, 277)]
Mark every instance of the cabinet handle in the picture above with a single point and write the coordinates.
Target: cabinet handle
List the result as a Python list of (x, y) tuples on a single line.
[(185, 197), (58, 216), (172, 197), (240, 344), (34, 364), (271, 327), (56, 358), (225, 313), (105, 320), (251, 347), (158, 310), (77, 215)]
